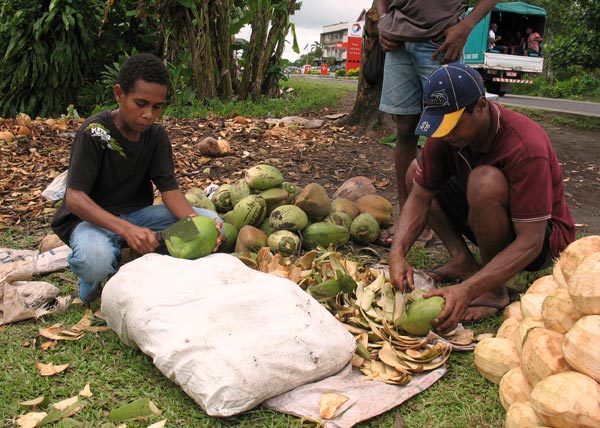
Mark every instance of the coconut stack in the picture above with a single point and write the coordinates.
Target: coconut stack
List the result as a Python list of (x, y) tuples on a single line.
[(545, 356)]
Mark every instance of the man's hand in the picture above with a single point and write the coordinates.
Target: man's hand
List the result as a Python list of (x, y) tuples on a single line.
[(401, 274), (219, 227), (457, 299), (140, 239), (452, 47), (388, 45)]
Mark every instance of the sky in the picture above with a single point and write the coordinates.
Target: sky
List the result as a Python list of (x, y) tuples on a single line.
[(312, 16)]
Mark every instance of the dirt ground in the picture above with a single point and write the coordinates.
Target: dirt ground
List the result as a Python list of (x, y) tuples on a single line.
[(328, 155)]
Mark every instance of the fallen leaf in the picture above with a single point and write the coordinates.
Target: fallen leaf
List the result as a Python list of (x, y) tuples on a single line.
[(329, 403), (30, 420), (159, 424), (86, 392), (57, 332), (65, 404), (50, 369), (85, 324), (35, 402), (48, 345)]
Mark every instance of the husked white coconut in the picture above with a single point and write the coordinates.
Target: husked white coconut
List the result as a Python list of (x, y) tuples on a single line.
[(544, 285), (558, 311), (525, 326), (584, 285), (522, 415), (542, 355), (513, 310), (508, 329), (513, 388), (495, 356), (569, 399), (575, 252), (581, 347), (558, 276), (531, 305)]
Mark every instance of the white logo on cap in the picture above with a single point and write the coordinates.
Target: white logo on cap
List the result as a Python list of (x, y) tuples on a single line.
[(438, 98), (425, 126)]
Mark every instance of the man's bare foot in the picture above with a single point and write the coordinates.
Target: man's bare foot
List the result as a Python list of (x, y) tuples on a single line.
[(490, 303)]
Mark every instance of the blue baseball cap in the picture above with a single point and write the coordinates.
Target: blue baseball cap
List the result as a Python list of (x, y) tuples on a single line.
[(447, 92)]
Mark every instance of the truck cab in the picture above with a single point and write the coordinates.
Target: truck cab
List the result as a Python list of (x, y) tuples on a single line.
[(506, 61)]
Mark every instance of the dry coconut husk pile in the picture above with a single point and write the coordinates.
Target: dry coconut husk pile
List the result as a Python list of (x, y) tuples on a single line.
[(546, 354)]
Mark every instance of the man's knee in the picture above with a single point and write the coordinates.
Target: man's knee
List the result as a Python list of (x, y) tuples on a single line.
[(487, 184), (93, 263)]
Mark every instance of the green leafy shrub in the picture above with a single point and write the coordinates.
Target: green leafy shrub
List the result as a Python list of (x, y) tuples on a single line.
[(353, 72), (340, 72), (47, 53)]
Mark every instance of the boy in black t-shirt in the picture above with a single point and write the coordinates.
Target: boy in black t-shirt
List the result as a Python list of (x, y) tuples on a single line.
[(116, 158)]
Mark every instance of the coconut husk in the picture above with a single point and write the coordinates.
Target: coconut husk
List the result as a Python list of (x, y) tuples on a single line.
[(354, 188), (314, 201)]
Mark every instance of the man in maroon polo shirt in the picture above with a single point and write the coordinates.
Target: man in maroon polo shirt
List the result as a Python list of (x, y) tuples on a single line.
[(486, 174)]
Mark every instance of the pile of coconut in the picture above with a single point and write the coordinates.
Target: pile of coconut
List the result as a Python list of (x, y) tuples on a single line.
[(546, 354)]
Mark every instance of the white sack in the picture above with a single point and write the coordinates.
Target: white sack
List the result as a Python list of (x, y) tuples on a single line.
[(230, 336)]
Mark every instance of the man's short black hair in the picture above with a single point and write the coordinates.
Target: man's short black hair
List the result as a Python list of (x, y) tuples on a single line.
[(144, 66)]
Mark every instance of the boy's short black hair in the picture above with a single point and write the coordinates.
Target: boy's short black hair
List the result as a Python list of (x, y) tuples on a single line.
[(144, 66)]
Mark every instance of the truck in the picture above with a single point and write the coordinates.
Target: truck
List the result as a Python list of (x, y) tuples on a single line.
[(501, 70)]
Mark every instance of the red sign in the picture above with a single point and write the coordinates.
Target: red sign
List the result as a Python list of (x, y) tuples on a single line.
[(354, 53)]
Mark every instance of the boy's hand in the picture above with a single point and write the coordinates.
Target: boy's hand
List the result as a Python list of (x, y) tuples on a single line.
[(141, 239), (219, 226)]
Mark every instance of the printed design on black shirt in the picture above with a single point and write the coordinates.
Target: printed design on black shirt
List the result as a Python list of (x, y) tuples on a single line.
[(100, 132)]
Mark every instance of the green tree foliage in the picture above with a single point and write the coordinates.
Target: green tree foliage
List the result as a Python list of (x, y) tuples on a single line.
[(45, 54), (578, 42)]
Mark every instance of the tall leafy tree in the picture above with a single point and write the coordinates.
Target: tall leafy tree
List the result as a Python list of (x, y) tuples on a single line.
[(45, 53)]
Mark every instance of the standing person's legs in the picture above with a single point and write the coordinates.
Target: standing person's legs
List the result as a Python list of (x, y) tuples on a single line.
[(405, 73)]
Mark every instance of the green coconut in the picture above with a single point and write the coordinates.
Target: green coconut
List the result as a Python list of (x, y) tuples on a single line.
[(418, 318), (201, 245)]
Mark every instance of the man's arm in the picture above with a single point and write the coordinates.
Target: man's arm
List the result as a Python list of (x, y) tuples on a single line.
[(412, 222), (510, 261), (456, 36), (383, 7), (177, 203), (140, 239)]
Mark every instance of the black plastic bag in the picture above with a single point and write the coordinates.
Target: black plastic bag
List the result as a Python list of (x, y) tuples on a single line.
[(373, 69)]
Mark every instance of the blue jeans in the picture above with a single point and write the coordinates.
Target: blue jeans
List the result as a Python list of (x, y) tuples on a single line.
[(96, 251), (405, 72)]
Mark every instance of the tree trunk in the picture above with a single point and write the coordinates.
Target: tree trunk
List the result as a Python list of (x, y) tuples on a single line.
[(366, 112)]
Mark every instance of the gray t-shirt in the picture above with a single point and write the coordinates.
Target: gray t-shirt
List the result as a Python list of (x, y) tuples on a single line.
[(420, 20)]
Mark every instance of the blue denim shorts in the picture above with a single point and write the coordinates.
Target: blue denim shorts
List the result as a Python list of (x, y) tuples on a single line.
[(405, 72)]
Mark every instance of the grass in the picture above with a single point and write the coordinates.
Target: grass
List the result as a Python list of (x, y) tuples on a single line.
[(118, 375), (307, 96)]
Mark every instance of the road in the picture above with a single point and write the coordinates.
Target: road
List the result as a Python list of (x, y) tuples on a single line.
[(565, 106), (552, 104)]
